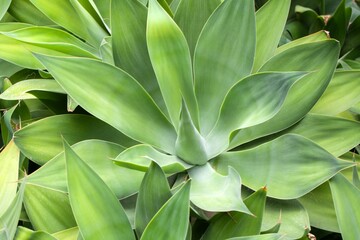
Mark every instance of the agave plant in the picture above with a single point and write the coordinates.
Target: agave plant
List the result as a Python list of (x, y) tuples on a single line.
[(188, 112)]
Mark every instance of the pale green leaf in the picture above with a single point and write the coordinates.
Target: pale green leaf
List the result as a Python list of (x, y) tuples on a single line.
[(320, 207), (346, 200), (103, 9), (7, 69), (22, 90), (174, 213), (4, 5), (9, 161), (170, 57), (74, 18), (251, 101), (257, 171), (25, 11), (41, 140), (23, 233), (342, 93), (48, 210), (237, 224), (97, 154), (129, 108), (214, 192), (215, 72), (291, 215), (111, 220), (154, 192), (270, 23), (129, 19), (191, 24), (10, 217), (317, 128), (319, 58), (139, 157), (190, 145), (68, 234)]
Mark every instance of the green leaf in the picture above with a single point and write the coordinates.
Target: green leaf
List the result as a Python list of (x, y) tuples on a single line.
[(319, 58), (129, 108), (25, 11), (291, 215), (41, 140), (215, 72), (174, 213), (317, 129), (22, 90), (191, 24), (10, 217), (73, 17), (129, 19), (322, 215), (68, 234), (237, 224), (251, 101), (23, 233), (97, 155), (111, 220), (190, 145), (274, 13), (4, 5), (273, 236), (9, 161), (208, 190), (154, 192), (257, 171), (48, 210), (346, 199), (139, 157), (338, 23), (170, 57), (342, 93)]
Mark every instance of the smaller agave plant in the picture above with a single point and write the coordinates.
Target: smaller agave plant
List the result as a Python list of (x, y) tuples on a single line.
[(195, 120)]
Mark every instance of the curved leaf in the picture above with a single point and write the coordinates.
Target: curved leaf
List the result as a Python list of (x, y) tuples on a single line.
[(191, 24), (111, 220), (128, 19), (270, 23), (9, 161), (139, 157), (208, 190), (4, 5), (236, 224), (22, 90), (154, 192), (25, 11), (322, 215), (251, 101), (346, 199), (97, 155), (10, 217), (317, 129), (342, 93), (265, 165), (215, 72), (69, 16), (271, 236), (41, 140), (48, 210), (319, 58), (170, 57), (174, 213), (129, 108), (26, 234)]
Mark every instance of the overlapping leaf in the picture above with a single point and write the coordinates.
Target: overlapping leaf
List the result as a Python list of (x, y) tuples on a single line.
[(90, 199), (265, 165), (129, 108), (215, 72)]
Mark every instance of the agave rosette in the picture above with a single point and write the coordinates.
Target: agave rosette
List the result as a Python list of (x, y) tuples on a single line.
[(207, 96)]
